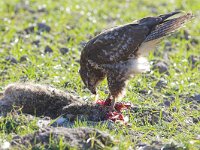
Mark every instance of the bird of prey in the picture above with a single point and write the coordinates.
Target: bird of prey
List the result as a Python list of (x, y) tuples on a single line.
[(121, 52)]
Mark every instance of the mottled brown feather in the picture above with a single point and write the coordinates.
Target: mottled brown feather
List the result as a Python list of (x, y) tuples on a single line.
[(116, 44)]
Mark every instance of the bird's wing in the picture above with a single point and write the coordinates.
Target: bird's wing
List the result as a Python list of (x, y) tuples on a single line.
[(162, 30), (116, 44)]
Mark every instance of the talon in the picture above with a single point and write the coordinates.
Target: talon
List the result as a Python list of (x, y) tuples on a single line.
[(108, 101)]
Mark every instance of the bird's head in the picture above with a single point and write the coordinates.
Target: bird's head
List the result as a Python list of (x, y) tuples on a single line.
[(89, 79)]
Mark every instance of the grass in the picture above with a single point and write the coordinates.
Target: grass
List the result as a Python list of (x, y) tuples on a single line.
[(75, 22)]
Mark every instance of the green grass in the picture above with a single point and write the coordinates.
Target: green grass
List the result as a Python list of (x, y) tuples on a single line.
[(73, 22)]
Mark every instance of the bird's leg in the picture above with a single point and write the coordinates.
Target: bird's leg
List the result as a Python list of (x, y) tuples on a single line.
[(110, 102), (112, 106), (116, 85)]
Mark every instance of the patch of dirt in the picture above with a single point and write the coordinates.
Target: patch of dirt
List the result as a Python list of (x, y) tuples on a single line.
[(40, 100), (79, 138), (87, 111), (152, 116), (37, 99), (158, 145), (14, 121), (43, 100)]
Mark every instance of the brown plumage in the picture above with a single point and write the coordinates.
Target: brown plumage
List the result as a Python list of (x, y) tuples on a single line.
[(120, 52)]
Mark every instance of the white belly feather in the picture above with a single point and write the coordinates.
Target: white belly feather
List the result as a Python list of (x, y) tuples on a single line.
[(138, 65)]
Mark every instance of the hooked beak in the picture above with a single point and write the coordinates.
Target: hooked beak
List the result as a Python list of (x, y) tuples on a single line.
[(92, 90), (94, 93)]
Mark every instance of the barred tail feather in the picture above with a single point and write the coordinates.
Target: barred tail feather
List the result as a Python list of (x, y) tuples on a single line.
[(168, 27)]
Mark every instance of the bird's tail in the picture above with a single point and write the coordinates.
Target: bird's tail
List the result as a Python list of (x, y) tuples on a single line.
[(165, 16), (168, 26)]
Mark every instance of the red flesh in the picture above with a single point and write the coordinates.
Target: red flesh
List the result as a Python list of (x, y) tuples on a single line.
[(115, 115)]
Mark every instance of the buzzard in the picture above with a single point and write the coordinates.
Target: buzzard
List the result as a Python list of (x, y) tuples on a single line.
[(121, 52)]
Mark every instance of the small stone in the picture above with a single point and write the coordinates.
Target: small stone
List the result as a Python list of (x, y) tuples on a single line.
[(161, 83), (48, 49), (186, 35), (168, 46), (36, 42), (193, 59), (29, 30), (194, 41), (161, 66), (64, 50), (196, 97), (77, 138), (11, 59), (42, 27), (174, 109), (167, 103), (23, 58), (144, 91), (196, 120)]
